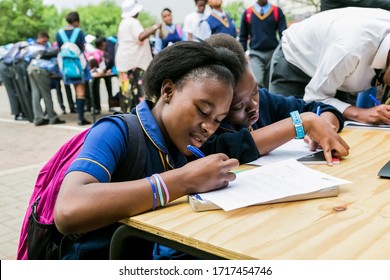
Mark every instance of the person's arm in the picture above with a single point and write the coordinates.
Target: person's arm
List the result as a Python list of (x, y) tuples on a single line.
[(275, 107), (88, 200), (376, 115), (239, 145), (149, 31), (272, 136), (244, 31), (281, 23)]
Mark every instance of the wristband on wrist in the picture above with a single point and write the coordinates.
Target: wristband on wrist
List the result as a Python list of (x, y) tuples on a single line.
[(300, 132), (160, 194), (154, 192)]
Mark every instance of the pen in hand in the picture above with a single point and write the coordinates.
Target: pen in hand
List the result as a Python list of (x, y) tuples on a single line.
[(318, 111), (374, 99), (195, 151)]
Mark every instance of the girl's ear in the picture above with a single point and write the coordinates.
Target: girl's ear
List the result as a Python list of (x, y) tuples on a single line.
[(167, 90)]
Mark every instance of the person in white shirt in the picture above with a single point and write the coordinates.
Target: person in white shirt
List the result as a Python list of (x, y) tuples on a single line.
[(340, 51), (133, 54), (191, 21)]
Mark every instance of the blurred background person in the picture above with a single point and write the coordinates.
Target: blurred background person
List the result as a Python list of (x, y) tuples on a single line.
[(191, 21), (133, 53)]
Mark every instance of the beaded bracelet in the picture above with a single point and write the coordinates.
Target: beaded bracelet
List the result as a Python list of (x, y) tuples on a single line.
[(164, 186), (154, 192), (159, 190)]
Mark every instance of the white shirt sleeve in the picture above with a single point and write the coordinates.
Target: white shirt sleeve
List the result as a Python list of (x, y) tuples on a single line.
[(330, 75), (204, 30)]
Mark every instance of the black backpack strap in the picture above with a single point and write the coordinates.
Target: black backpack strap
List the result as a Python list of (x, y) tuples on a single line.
[(136, 156)]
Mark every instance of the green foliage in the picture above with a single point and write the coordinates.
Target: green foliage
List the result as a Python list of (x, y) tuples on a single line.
[(235, 10), (102, 19), (22, 19), (146, 19)]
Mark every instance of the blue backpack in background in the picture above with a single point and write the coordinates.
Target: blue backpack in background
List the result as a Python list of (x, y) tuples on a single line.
[(69, 56)]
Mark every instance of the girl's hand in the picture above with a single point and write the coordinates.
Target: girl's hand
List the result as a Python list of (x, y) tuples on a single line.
[(208, 173), (321, 133)]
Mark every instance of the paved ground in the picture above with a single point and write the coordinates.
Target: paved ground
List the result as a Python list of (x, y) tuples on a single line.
[(24, 148)]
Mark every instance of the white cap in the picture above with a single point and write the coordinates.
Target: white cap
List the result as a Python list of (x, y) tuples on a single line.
[(380, 58), (130, 8), (90, 38)]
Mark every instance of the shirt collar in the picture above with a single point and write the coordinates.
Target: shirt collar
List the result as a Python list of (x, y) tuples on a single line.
[(151, 128), (265, 8), (380, 58), (220, 14)]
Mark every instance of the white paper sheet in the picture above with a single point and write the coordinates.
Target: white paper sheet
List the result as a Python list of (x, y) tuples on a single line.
[(294, 149), (270, 182)]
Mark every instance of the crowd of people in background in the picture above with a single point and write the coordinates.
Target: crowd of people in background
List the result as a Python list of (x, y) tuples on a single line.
[(127, 54), (232, 90)]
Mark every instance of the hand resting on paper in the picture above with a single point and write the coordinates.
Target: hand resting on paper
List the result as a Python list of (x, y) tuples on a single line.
[(320, 134)]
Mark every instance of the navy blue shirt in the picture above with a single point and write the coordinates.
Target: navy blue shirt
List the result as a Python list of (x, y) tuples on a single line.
[(237, 142), (262, 30), (217, 26), (80, 42)]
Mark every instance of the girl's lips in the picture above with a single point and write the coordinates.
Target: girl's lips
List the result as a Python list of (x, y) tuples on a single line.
[(253, 118), (197, 140)]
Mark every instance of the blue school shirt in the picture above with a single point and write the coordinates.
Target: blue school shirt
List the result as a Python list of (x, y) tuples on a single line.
[(237, 142), (217, 26), (102, 160)]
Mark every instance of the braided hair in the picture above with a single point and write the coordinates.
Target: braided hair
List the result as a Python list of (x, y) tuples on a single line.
[(195, 61)]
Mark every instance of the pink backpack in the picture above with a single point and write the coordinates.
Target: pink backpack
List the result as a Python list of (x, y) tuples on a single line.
[(39, 237)]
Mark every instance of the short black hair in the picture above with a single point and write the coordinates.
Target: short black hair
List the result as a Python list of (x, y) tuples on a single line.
[(196, 1), (166, 9), (226, 41), (43, 34), (72, 17), (99, 41), (191, 60)]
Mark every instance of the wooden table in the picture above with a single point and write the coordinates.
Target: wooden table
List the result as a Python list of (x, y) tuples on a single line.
[(354, 225)]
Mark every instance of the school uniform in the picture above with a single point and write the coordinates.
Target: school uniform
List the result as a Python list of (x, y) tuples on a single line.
[(237, 142), (260, 29), (217, 22), (80, 42), (330, 52), (103, 161), (174, 35)]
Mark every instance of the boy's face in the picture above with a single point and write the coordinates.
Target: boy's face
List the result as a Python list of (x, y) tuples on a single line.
[(42, 40), (244, 110), (190, 115), (214, 3), (201, 4)]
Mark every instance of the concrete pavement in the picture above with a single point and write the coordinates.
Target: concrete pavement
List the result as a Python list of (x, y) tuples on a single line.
[(24, 149)]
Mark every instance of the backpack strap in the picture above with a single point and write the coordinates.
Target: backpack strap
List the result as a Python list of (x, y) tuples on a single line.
[(64, 37), (136, 156), (75, 35), (275, 11), (249, 14), (249, 10)]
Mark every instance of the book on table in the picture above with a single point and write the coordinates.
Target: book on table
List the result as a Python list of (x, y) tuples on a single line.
[(283, 181), (353, 124)]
